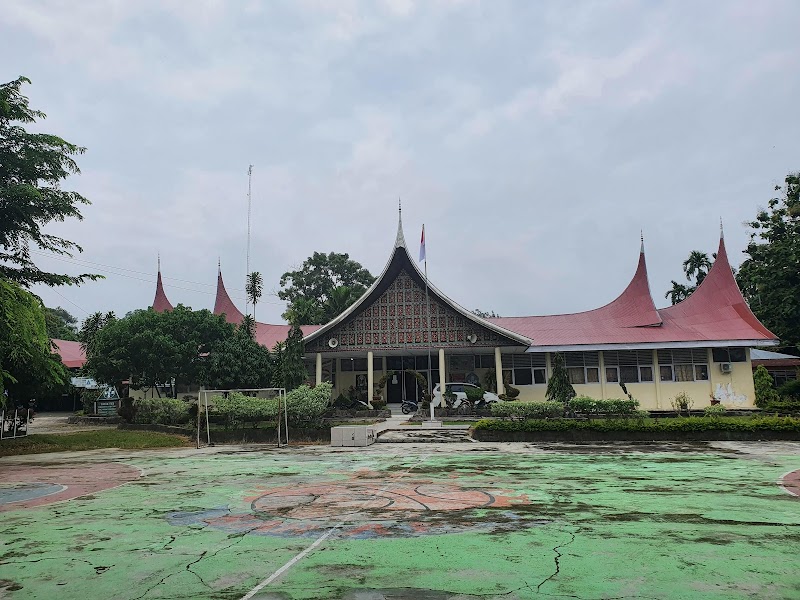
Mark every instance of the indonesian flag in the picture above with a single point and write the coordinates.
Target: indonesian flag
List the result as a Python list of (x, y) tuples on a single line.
[(422, 245)]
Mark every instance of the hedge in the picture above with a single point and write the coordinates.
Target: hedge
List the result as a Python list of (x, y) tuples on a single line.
[(304, 406), (527, 410), (685, 424), (589, 406), (161, 411)]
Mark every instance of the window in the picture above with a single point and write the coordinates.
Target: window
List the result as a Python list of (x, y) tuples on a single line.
[(421, 363), (628, 366), (484, 361), (360, 364), (526, 368), (582, 367), (683, 364), (732, 355), (345, 365)]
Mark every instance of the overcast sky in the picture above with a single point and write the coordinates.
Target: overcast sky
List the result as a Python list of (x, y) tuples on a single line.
[(534, 139)]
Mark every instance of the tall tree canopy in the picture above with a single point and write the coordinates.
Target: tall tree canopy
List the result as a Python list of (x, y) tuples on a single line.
[(28, 365), (239, 362), (60, 324), (32, 167), (151, 348), (770, 277), (323, 287)]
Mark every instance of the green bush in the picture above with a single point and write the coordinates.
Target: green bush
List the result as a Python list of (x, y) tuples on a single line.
[(238, 409), (765, 393), (584, 405), (306, 405), (790, 389), (753, 424), (786, 405), (527, 410), (715, 410), (161, 411), (474, 394)]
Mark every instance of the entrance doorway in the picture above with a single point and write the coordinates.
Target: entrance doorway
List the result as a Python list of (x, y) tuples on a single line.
[(401, 386)]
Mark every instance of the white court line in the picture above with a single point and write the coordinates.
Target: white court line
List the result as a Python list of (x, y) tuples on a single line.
[(322, 538)]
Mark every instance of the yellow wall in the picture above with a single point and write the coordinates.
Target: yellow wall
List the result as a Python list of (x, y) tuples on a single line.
[(740, 380)]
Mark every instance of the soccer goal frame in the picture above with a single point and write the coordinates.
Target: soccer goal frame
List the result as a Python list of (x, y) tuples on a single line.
[(279, 393)]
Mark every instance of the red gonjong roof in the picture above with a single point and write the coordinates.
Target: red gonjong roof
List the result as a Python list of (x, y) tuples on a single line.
[(223, 305), (715, 312), (160, 302), (266, 334), (72, 355)]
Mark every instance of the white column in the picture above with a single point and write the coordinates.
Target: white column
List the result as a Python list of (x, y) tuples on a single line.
[(498, 371), (657, 378), (319, 368), (442, 369), (602, 374), (370, 379)]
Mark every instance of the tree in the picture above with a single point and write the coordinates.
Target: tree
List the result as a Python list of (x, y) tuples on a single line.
[(310, 290), (32, 166), (91, 327), (253, 288), (60, 324), (764, 387), (151, 348), (28, 365), (483, 314), (696, 267), (559, 389), (770, 275), (239, 362), (294, 370)]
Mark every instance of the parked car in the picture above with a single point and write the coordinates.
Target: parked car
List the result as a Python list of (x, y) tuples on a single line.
[(461, 395)]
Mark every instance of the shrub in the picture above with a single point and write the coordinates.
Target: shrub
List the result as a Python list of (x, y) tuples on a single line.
[(790, 389), (161, 411), (527, 410), (378, 403), (474, 394), (682, 403), (306, 405), (786, 405), (238, 409), (715, 410), (585, 405), (765, 393), (342, 402), (753, 424)]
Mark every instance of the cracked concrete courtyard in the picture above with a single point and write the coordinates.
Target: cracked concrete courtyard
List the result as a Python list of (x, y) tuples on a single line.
[(422, 521)]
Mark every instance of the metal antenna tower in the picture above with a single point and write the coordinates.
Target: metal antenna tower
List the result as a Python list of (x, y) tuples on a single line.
[(249, 206)]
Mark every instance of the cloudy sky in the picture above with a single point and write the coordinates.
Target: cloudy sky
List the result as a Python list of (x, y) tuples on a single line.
[(534, 139)]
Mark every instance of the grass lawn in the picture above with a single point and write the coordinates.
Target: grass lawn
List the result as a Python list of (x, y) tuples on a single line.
[(90, 440)]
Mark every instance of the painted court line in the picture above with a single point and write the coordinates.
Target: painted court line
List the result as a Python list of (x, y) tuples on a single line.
[(298, 557)]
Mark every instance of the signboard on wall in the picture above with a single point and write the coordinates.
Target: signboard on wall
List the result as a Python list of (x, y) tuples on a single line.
[(106, 408)]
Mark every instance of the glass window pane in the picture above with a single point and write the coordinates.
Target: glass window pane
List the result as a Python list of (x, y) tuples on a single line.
[(645, 373), (359, 364), (422, 363), (737, 354), (434, 377), (629, 374), (612, 375), (576, 375), (592, 375), (394, 363), (523, 376), (701, 372), (434, 360), (408, 362), (345, 364), (684, 373), (539, 376), (720, 355), (666, 372), (377, 363)]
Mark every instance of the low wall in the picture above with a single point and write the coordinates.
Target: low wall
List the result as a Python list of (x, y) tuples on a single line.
[(238, 436)]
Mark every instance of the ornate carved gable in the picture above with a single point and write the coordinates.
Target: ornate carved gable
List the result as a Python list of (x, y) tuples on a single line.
[(397, 319)]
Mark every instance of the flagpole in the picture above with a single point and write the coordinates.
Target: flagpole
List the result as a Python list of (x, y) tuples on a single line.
[(430, 341)]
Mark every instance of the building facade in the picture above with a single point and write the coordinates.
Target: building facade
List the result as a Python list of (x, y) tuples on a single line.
[(405, 326)]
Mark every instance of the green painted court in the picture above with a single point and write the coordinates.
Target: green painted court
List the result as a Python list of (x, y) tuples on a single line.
[(420, 521)]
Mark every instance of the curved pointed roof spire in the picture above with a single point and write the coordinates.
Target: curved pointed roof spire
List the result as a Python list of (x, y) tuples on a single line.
[(400, 240), (160, 303), (223, 305), (718, 305)]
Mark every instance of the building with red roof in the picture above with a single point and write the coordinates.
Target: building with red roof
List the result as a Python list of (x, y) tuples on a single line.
[(403, 325)]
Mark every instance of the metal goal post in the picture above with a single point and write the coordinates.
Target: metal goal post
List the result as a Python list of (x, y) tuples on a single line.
[(266, 393)]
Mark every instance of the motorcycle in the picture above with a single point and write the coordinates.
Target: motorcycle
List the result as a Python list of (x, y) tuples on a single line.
[(409, 406)]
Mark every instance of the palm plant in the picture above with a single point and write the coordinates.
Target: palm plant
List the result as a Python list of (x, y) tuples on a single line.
[(697, 266), (254, 287)]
